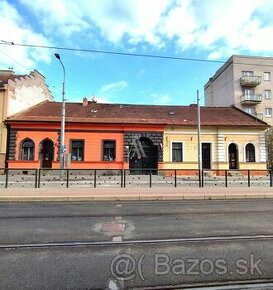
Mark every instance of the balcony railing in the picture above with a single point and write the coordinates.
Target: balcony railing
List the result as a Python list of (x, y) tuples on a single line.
[(251, 99), (250, 81)]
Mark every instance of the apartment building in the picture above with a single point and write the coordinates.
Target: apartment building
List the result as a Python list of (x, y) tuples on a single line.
[(17, 93), (247, 83)]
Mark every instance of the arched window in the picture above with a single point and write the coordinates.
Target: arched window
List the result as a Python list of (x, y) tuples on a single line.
[(250, 153), (27, 150)]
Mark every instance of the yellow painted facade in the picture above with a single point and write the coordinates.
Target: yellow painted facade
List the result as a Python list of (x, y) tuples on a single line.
[(219, 139)]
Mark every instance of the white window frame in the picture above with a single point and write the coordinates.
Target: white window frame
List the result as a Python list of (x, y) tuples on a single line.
[(267, 76), (256, 155), (266, 96), (171, 151), (265, 113)]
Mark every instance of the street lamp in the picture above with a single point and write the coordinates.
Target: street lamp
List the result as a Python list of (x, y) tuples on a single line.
[(62, 147)]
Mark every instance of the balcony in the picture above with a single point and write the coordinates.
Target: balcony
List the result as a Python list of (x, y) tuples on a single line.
[(251, 99), (250, 81)]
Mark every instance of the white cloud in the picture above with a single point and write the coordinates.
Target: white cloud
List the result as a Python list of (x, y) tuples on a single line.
[(219, 27), (114, 86), (136, 19), (14, 28)]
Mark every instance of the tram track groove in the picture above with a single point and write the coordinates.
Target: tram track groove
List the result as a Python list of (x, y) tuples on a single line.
[(139, 242)]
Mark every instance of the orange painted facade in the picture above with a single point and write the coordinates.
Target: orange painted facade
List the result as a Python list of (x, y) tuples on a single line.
[(93, 136)]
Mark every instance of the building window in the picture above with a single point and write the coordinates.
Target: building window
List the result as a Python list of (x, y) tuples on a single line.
[(250, 110), (27, 150), (77, 150), (267, 76), (268, 112), (248, 93), (267, 94), (250, 153), (109, 150), (177, 152), (247, 73)]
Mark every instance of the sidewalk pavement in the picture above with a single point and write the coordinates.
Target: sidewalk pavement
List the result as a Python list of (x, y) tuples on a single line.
[(130, 194)]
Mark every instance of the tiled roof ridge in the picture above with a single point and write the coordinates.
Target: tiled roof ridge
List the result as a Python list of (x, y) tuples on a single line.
[(146, 105)]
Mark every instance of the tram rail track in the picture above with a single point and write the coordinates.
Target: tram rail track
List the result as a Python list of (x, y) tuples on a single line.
[(138, 242)]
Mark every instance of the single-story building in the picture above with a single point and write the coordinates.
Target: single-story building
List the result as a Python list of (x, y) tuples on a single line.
[(122, 136)]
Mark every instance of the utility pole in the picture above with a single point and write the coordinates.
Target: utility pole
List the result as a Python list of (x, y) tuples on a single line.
[(199, 139)]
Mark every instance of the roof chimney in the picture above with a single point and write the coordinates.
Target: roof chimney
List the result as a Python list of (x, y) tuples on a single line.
[(84, 102)]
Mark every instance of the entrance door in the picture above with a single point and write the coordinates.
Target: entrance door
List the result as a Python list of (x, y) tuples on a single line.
[(233, 156), (47, 153), (206, 155), (143, 155)]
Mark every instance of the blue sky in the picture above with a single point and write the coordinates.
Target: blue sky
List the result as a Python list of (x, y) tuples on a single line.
[(203, 29)]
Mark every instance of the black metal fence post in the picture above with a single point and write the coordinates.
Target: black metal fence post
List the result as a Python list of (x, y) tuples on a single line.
[(67, 178), (202, 179), (248, 178), (226, 183), (36, 178), (175, 178), (7, 178), (39, 178), (150, 178), (124, 179), (95, 178), (199, 173), (121, 178), (271, 177)]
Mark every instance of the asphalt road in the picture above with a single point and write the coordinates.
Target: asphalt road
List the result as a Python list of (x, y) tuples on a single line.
[(135, 244)]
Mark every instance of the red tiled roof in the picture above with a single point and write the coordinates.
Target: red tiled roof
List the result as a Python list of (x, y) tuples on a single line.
[(138, 114)]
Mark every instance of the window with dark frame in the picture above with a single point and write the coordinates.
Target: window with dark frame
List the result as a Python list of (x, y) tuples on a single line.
[(77, 150), (177, 152), (250, 153), (109, 150), (27, 150)]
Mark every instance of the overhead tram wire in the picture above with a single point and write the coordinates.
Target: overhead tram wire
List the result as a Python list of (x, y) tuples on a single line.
[(166, 57)]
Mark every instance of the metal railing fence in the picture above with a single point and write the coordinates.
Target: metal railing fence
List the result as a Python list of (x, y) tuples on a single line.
[(40, 178)]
